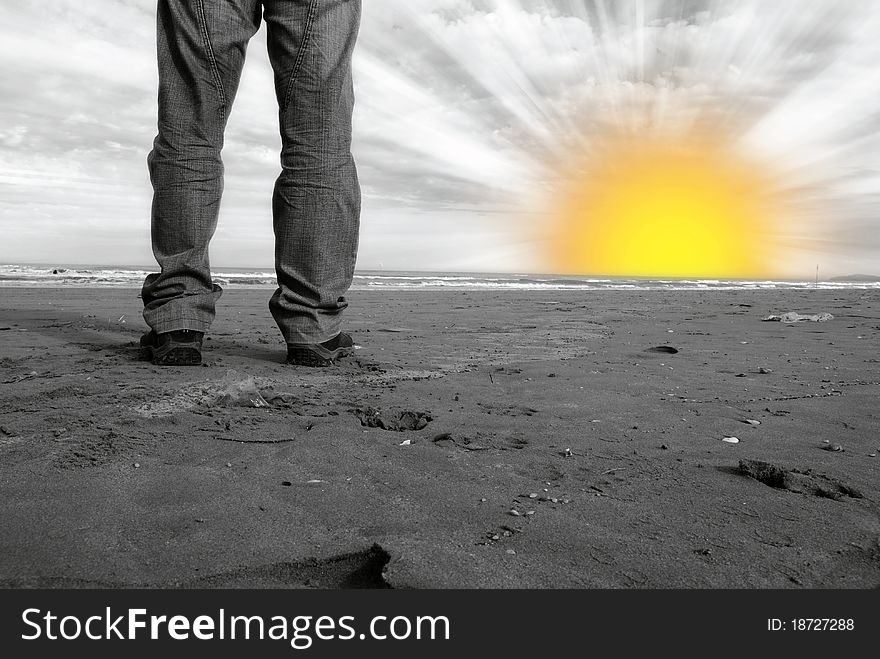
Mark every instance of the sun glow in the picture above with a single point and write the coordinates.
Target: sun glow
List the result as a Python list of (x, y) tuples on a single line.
[(662, 207)]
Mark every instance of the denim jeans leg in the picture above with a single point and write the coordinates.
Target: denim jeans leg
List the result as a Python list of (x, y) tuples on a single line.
[(201, 48), (316, 202)]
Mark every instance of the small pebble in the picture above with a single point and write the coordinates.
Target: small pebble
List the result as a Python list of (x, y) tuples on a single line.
[(834, 448), (507, 534), (764, 371), (514, 512), (496, 537), (753, 422), (228, 464), (512, 552), (533, 495), (567, 453), (730, 440), (530, 513), (872, 455), (554, 500), (137, 465), (483, 500)]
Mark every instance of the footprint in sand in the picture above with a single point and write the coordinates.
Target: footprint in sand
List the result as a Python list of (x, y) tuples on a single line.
[(393, 420)]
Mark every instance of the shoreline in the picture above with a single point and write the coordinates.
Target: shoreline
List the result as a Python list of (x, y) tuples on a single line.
[(489, 287)]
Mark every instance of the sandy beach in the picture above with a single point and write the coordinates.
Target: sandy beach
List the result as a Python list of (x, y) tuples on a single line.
[(476, 439)]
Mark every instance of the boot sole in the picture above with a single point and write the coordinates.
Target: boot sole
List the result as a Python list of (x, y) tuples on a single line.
[(309, 357), (173, 355)]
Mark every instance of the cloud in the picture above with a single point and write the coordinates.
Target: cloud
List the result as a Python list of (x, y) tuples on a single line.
[(465, 111)]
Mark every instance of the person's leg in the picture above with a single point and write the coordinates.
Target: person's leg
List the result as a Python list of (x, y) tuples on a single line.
[(316, 204), (201, 47)]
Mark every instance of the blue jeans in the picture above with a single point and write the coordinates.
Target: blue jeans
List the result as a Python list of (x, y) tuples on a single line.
[(316, 202)]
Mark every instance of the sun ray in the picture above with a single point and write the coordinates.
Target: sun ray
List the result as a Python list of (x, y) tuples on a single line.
[(557, 80)]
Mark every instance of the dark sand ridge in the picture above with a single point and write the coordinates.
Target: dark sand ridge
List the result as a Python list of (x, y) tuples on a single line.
[(116, 472)]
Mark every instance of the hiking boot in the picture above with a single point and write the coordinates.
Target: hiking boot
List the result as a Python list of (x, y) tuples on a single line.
[(178, 348), (319, 354)]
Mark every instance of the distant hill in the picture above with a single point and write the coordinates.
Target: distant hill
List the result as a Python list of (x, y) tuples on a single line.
[(856, 278)]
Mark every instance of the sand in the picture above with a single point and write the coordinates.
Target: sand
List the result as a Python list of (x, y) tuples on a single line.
[(548, 447)]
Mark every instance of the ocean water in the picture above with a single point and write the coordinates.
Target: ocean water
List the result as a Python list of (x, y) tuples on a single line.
[(13, 275)]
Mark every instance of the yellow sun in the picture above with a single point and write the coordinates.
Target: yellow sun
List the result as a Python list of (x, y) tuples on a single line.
[(658, 207)]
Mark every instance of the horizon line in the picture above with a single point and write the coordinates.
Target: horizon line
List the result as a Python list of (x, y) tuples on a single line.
[(66, 266)]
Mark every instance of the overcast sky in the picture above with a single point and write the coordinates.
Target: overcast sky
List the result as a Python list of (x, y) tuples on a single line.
[(465, 108)]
